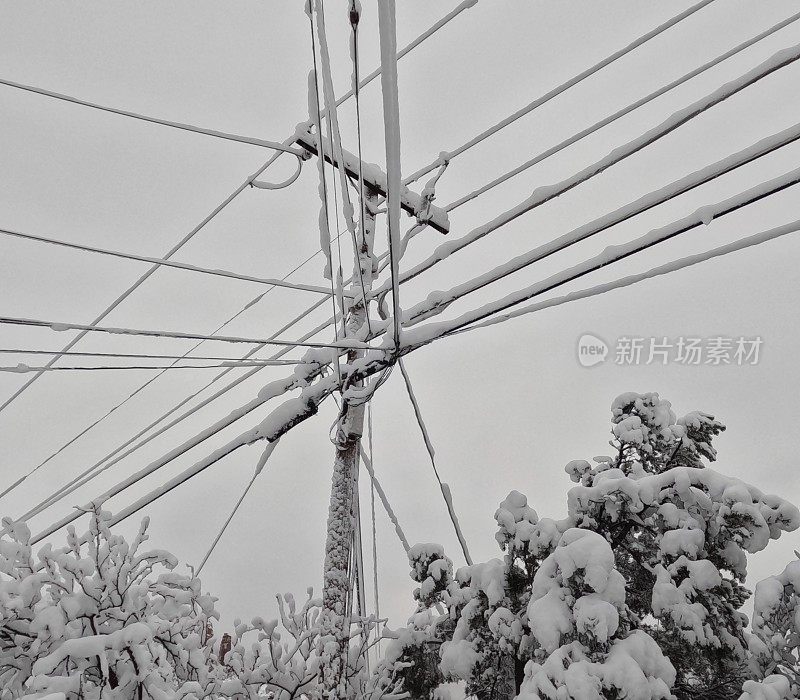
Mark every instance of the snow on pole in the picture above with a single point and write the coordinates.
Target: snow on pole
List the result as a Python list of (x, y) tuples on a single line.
[(391, 129)]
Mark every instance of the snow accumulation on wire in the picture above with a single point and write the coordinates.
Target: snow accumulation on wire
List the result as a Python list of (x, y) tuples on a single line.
[(431, 331), (166, 263), (57, 326), (391, 129), (285, 416), (557, 91), (544, 194), (445, 488), (384, 500), (438, 301), (667, 268), (620, 113)]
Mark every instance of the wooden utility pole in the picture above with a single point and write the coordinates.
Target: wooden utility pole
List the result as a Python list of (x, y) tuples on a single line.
[(337, 592)]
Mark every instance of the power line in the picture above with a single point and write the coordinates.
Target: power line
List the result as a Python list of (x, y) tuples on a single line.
[(259, 467), (136, 355), (667, 268), (435, 330), (268, 392), (613, 254), (165, 263), (391, 117), (620, 113), (538, 102), (59, 326), (141, 387), (465, 4), (545, 194), (132, 288), (23, 368), (445, 488), (156, 120)]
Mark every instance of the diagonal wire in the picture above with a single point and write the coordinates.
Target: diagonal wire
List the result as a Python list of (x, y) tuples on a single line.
[(538, 102), (445, 488), (259, 467)]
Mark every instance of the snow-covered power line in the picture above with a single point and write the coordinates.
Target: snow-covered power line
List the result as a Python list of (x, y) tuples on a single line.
[(274, 145), (60, 326), (391, 120), (290, 414), (667, 268), (611, 254), (132, 288), (538, 102), (545, 194), (249, 181), (184, 401), (439, 301), (165, 263), (120, 452), (145, 356), (444, 487), (659, 196), (23, 368), (621, 113)]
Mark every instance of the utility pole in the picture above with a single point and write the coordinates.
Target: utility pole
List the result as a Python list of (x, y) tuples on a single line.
[(342, 511), (337, 593)]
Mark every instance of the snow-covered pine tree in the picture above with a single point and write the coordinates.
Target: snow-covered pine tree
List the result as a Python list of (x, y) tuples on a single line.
[(678, 534)]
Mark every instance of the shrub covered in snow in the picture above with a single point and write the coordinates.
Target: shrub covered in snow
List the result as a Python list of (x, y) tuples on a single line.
[(100, 616), (637, 593)]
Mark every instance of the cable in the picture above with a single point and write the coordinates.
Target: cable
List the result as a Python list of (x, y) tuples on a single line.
[(610, 255), (58, 326), (384, 500), (445, 488), (374, 532), (538, 102), (23, 368), (259, 467), (364, 248), (165, 263), (621, 113), (465, 4), (545, 194), (156, 120), (123, 355), (143, 386), (391, 119), (675, 265), (144, 277)]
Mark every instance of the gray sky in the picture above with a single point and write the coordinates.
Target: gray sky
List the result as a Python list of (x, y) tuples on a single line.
[(507, 407)]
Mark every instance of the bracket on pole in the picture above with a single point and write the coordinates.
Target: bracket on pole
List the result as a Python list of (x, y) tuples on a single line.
[(375, 180)]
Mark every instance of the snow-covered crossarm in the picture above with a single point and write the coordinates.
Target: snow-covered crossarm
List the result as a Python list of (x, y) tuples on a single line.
[(375, 181), (544, 194)]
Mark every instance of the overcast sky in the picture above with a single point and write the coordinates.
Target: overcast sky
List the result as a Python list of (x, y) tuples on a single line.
[(506, 407)]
